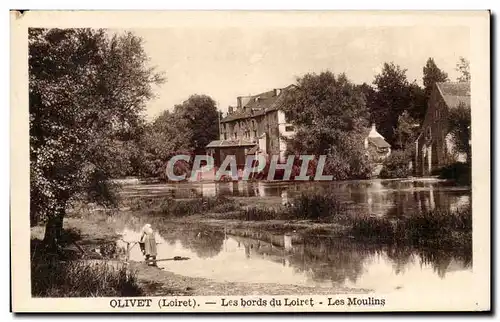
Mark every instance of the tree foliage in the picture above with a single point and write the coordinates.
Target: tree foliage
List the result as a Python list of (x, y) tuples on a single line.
[(459, 128), (163, 138), (186, 130), (86, 93), (432, 75), (330, 115), (396, 165), (406, 130), (393, 94), (199, 114), (463, 67)]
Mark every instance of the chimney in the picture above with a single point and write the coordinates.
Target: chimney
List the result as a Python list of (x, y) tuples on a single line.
[(373, 132), (277, 91), (239, 102)]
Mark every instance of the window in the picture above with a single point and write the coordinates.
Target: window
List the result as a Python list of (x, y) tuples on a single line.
[(289, 128)]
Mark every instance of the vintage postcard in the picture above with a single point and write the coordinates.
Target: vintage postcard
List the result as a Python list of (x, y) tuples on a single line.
[(245, 161)]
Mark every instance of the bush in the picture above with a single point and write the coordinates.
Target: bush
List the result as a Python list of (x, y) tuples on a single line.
[(81, 279), (436, 224), (259, 214), (460, 172), (432, 228), (396, 165), (316, 205), (372, 227)]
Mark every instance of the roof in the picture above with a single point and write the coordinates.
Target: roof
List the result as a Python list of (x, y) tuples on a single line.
[(253, 150), (455, 93), (259, 104), (379, 142), (229, 143)]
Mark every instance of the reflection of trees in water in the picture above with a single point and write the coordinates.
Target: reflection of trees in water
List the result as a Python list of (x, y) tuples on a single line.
[(204, 243), (400, 256), (332, 260), (337, 260), (446, 261)]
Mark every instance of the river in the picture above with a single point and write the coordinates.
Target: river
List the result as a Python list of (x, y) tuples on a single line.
[(381, 197), (324, 262)]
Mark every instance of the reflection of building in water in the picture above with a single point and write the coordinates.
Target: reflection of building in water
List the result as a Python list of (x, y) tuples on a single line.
[(284, 198), (261, 189), (378, 201), (432, 199), (287, 241), (429, 202), (208, 189), (247, 250)]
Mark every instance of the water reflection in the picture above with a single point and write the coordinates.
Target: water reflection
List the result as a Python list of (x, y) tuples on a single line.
[(314, 261), (381, 197)]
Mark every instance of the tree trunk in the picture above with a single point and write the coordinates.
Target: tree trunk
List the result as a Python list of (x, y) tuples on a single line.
[(53, 228)]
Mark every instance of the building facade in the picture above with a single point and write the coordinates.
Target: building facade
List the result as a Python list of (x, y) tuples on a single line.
[(255, 125), (434, 147)]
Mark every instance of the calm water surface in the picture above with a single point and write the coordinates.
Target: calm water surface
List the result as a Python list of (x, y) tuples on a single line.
[(264, 258), (382, 197), (321, 262)]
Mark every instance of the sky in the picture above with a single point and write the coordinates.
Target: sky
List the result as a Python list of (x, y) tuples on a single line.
[(228, 62)]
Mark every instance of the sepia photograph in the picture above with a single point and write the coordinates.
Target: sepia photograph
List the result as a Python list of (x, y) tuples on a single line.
[(250, 161)]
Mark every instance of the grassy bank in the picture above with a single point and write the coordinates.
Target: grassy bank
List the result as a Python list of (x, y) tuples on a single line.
[(82, 279), (71, 273), (436, 228)]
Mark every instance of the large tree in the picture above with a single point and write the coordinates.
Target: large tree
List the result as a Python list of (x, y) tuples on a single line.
[(165, 137), (185, 130), (199, 114), (432, 75), (87, 90), (330, 114), (393, 96)]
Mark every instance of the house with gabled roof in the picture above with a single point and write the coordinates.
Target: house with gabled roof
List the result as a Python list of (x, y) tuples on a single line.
[(434, 146), (377, 148)]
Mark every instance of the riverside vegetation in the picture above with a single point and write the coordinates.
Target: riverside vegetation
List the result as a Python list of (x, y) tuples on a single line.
[(436, 229), (446, 228)]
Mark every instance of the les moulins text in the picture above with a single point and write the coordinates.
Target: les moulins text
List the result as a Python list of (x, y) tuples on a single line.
[(255, 302)]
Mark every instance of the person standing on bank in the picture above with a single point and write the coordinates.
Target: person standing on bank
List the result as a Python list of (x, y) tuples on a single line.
[(148, 244)]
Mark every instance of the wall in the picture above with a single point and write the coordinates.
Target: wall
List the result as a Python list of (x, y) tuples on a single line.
[(272, 123), (284, 130)]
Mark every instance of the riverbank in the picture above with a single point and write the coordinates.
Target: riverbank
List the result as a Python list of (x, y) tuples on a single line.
[(93, 232), (307, 220)]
